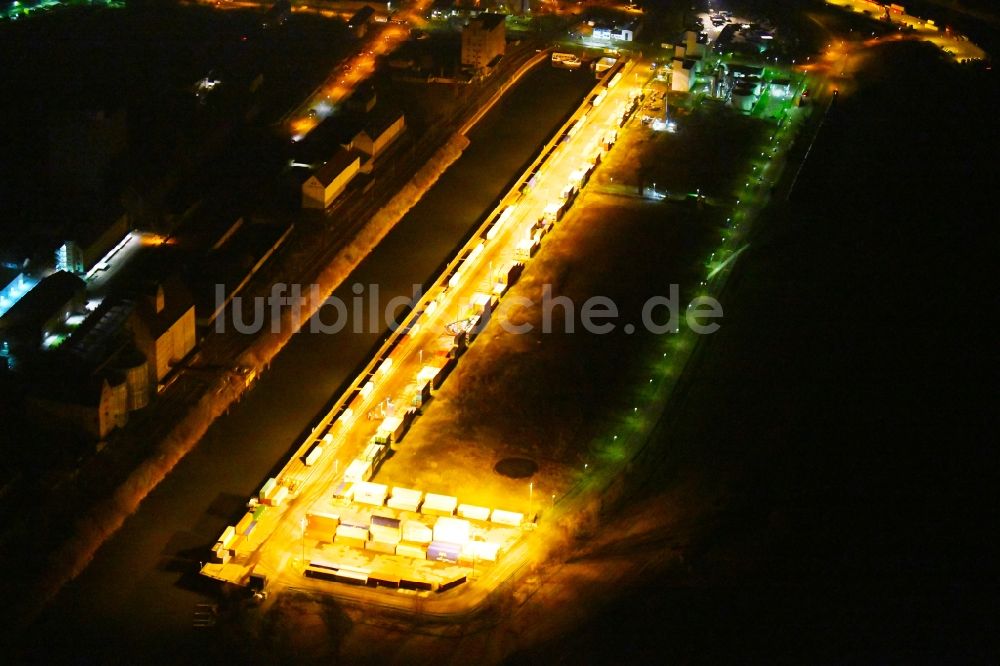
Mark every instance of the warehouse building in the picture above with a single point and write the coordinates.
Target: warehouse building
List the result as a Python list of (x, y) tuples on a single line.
[(483, 41), (326, 183)]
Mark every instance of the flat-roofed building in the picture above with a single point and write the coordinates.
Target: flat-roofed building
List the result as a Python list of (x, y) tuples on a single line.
[(88, 243), (683, 73), (40, 313)]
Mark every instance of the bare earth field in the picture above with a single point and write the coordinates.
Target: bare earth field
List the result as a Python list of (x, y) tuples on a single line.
[(709, 152), (554, 397), (549, 396)]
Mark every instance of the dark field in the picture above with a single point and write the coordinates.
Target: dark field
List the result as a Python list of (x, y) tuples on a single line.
[(553, 397), (824, 493)]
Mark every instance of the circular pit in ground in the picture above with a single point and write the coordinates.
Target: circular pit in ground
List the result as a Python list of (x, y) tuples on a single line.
[(516, 468)]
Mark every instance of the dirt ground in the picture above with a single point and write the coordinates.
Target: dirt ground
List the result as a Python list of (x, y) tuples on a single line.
[(547, 396), (709, 151), (554, 397)]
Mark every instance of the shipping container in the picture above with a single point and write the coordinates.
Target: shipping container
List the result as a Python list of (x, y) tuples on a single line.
[(480, 304), (473, 512), (407, 420), (322, 522), (245, 521), (500, 222), (390, 430), (360, 519), (443, 552), (443, 373), (269, 487), (552, 212), (344, 491), (378, 520), (416, 551), (374, 453), (347, 532), (447, 585), (314, 454), (227, 537), (507, 518), (378, 546), (386, 534), (367, 390), (484, 551), (526, 249), (439, 505), (428, 373), (358, 470), (421, 394), (370, 493), (384, 579), (350, 577), (452, 530), (277, 497), (417, 532), (405, 499)]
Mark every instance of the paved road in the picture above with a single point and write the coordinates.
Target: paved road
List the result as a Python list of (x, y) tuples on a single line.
[(140, 592)]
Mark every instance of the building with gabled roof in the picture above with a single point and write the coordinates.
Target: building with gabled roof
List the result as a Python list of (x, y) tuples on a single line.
[(163, 325), (63, 395), (327, 182), (380, 129)]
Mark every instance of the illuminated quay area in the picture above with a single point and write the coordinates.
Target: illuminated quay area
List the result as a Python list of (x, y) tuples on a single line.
[(325, 515), (541, 331)]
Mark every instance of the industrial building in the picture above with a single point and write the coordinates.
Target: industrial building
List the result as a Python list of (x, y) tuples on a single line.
[(83, 372), (40, 313), (326, 183), (163, 324), (484, 41), (683, 73), (379, 131), (692, 45), (363, 99), (70, 399), (104, 341), (88, 243), (613, 34), (358, 24)]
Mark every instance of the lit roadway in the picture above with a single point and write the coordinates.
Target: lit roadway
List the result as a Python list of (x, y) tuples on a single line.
[(948, 41), (381, 39), (278, 540)]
